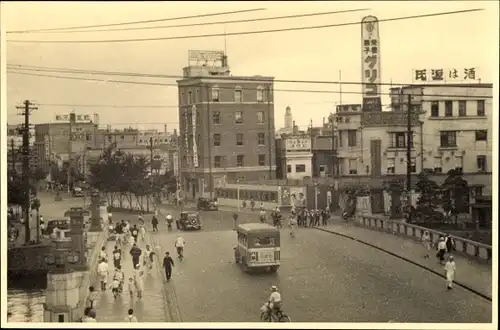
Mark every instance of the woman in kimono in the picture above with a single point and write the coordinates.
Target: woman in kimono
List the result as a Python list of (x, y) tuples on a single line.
[(450, 269)]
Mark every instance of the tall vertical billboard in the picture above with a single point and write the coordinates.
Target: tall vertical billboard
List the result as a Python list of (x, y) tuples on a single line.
[(370, 65)]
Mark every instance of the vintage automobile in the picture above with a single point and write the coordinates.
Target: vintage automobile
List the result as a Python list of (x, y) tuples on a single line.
[(258, 247), (189, 220), (77, 192), (207, 204)]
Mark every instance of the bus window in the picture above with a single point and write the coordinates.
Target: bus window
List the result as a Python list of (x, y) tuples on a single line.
[(264, 241)]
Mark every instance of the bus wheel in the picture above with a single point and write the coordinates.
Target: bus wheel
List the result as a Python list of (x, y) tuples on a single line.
[(274, 269), (244, 264), (236, 257)]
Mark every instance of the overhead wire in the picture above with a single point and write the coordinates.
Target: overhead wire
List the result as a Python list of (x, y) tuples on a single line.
[(139, 22), (12, 71), (212, 23), (227, 34)]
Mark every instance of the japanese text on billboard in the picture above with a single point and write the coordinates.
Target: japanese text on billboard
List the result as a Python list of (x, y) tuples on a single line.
[(444, 74)]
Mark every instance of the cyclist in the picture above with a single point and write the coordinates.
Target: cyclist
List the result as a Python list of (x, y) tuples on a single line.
[(179, 245), (169, 219), (274, 302)]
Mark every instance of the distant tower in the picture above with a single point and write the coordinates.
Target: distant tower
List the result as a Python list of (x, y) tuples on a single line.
[(288, 118)]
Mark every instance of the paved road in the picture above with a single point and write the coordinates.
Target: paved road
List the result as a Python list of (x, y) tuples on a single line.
[(323, 278)]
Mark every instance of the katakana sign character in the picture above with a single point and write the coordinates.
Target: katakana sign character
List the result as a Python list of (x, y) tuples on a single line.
[(371, 89), (437, 74), (371, 75), (372, 60), (421, 75), (453, 74), (470, 74)]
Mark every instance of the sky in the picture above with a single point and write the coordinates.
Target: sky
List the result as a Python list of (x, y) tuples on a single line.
[(452, 41)]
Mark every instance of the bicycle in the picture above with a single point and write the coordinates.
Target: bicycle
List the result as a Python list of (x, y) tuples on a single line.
[(267, 315)]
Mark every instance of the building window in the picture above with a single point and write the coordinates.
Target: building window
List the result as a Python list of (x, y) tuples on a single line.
[(238, 95), (448, 108), (240, 160), (289, 168), (110, 138), (216, 140), (438, 165), (260, 117), (260, 94), (197, 97), (351, 138), (462, 108), (215, 94), (478, 191), (239, 139), (190, 97), (480, 108), (481, 163), (398, 140), (261, 139), (182, 99), (87, 137), (434, 109), (216, 117), (300, 168), (482, 135), (341, 142), (448, 139), (353, 166), (262, 160), (238, 117), (391, 165), (413, 165), (217, 161), (197, 117), (322, 169)]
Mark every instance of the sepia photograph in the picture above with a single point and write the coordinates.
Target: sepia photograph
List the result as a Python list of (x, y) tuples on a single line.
[(213, 164)]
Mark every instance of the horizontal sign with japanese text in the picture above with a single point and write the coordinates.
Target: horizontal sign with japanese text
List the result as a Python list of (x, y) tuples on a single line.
[(298, 144), (78, 118), (440, 74)]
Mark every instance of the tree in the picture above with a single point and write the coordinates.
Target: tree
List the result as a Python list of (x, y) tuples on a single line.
[(118, 172), (455, 193), (429, 200), (38, 174)]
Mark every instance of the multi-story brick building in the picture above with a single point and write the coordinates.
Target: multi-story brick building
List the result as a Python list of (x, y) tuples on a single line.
[(226, 128)]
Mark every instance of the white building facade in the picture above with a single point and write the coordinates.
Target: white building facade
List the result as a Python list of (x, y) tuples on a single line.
[(297, 156)]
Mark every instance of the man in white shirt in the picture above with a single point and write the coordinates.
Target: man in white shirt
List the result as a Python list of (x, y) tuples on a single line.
[(179, 244), (274, 299), (103, 273), (441, 249)]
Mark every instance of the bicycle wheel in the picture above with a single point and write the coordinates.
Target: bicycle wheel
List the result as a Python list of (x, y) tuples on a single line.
[(265, 317), (285, 318)]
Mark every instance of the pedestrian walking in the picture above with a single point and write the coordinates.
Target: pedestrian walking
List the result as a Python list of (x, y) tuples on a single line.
[(148, 258), (142, 233), (450, 243), (139, 282), (441, 248), (292, 223), (103, 272), (135, 252), (168, 264), (103, 254), (131, 317), (325, 216), (131, 287), (426, 241), (117, 257), (154, 222), (450, 269), (135, 233), (93, 296)]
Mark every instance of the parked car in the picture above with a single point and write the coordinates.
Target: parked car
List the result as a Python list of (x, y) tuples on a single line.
[(77, 192), (207, 204)]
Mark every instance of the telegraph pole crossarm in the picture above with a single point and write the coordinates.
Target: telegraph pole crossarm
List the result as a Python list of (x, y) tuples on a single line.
[(26, 110)]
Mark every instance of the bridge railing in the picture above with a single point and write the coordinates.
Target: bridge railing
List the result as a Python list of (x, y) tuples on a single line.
[(463, 246)]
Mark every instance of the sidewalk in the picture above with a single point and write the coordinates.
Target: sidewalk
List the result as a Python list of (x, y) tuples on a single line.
[(470, 273), (151, 308)]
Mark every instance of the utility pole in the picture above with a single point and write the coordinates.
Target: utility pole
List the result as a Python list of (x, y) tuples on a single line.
[(409, 140), (72, 118), (151, 154), (26, 108), (12, 156)]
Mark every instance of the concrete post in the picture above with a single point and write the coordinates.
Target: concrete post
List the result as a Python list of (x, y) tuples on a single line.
[(95, 209)]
